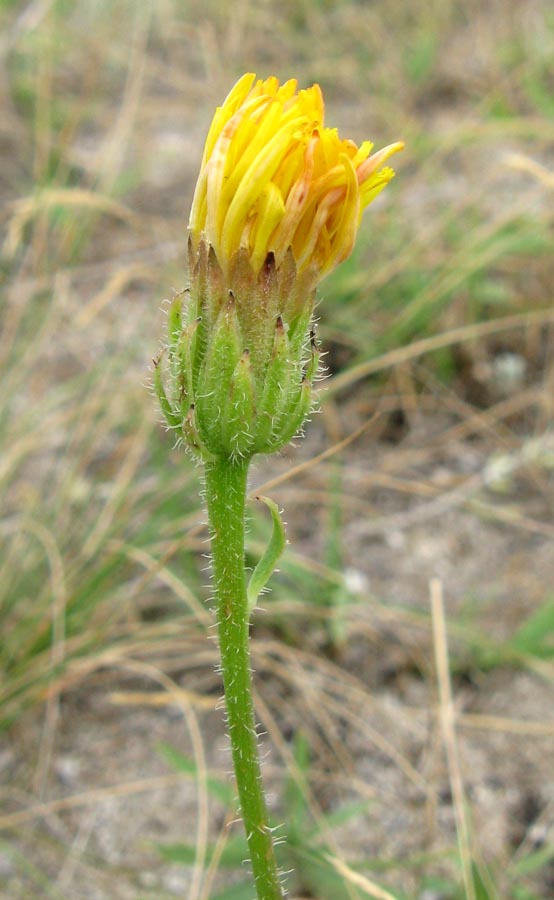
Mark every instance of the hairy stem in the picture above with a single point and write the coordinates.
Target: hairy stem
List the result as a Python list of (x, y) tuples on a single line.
[(226, 499)]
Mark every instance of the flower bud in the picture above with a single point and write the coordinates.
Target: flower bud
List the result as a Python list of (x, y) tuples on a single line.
[(277, 205)]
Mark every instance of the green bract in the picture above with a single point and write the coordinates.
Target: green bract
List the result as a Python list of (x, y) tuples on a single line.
[(236, 376)]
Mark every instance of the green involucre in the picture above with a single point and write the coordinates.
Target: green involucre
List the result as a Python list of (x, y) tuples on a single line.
[(226, 399)]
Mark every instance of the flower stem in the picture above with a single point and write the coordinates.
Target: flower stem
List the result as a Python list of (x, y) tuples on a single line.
[(226, 498)]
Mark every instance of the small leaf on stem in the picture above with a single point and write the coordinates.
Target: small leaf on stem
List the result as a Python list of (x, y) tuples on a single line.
[(266, 565)]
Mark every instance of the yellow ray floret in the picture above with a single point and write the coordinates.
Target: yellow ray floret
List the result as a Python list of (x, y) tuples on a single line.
[(274, 178)]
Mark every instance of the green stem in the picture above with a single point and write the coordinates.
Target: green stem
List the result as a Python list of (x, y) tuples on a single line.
[(226, 500)]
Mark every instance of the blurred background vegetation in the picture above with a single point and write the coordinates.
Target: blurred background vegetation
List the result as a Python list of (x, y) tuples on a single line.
[(438, 331)]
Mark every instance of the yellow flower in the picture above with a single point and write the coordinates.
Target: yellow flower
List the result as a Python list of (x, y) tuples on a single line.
[(274, 178)]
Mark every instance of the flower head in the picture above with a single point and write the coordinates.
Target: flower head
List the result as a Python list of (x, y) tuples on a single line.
[(273, 178), (277, 205)]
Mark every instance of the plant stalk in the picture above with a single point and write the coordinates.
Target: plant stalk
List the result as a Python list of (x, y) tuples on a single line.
[(226, 500)]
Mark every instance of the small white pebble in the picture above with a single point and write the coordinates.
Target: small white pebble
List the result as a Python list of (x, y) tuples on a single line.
[(68, 769), (395, 539), (508, 372), (355, 581)]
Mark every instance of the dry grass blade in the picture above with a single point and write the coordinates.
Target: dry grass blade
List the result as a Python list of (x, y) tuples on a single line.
[(448, 727), (314, 461), (9, 821), (115, 286), (361, 881), (162, 699), (522, 163), (485, 722), (27, 208), (438, 342)]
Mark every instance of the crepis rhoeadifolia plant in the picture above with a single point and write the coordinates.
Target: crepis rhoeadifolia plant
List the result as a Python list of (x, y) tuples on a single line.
[(277, 205)]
